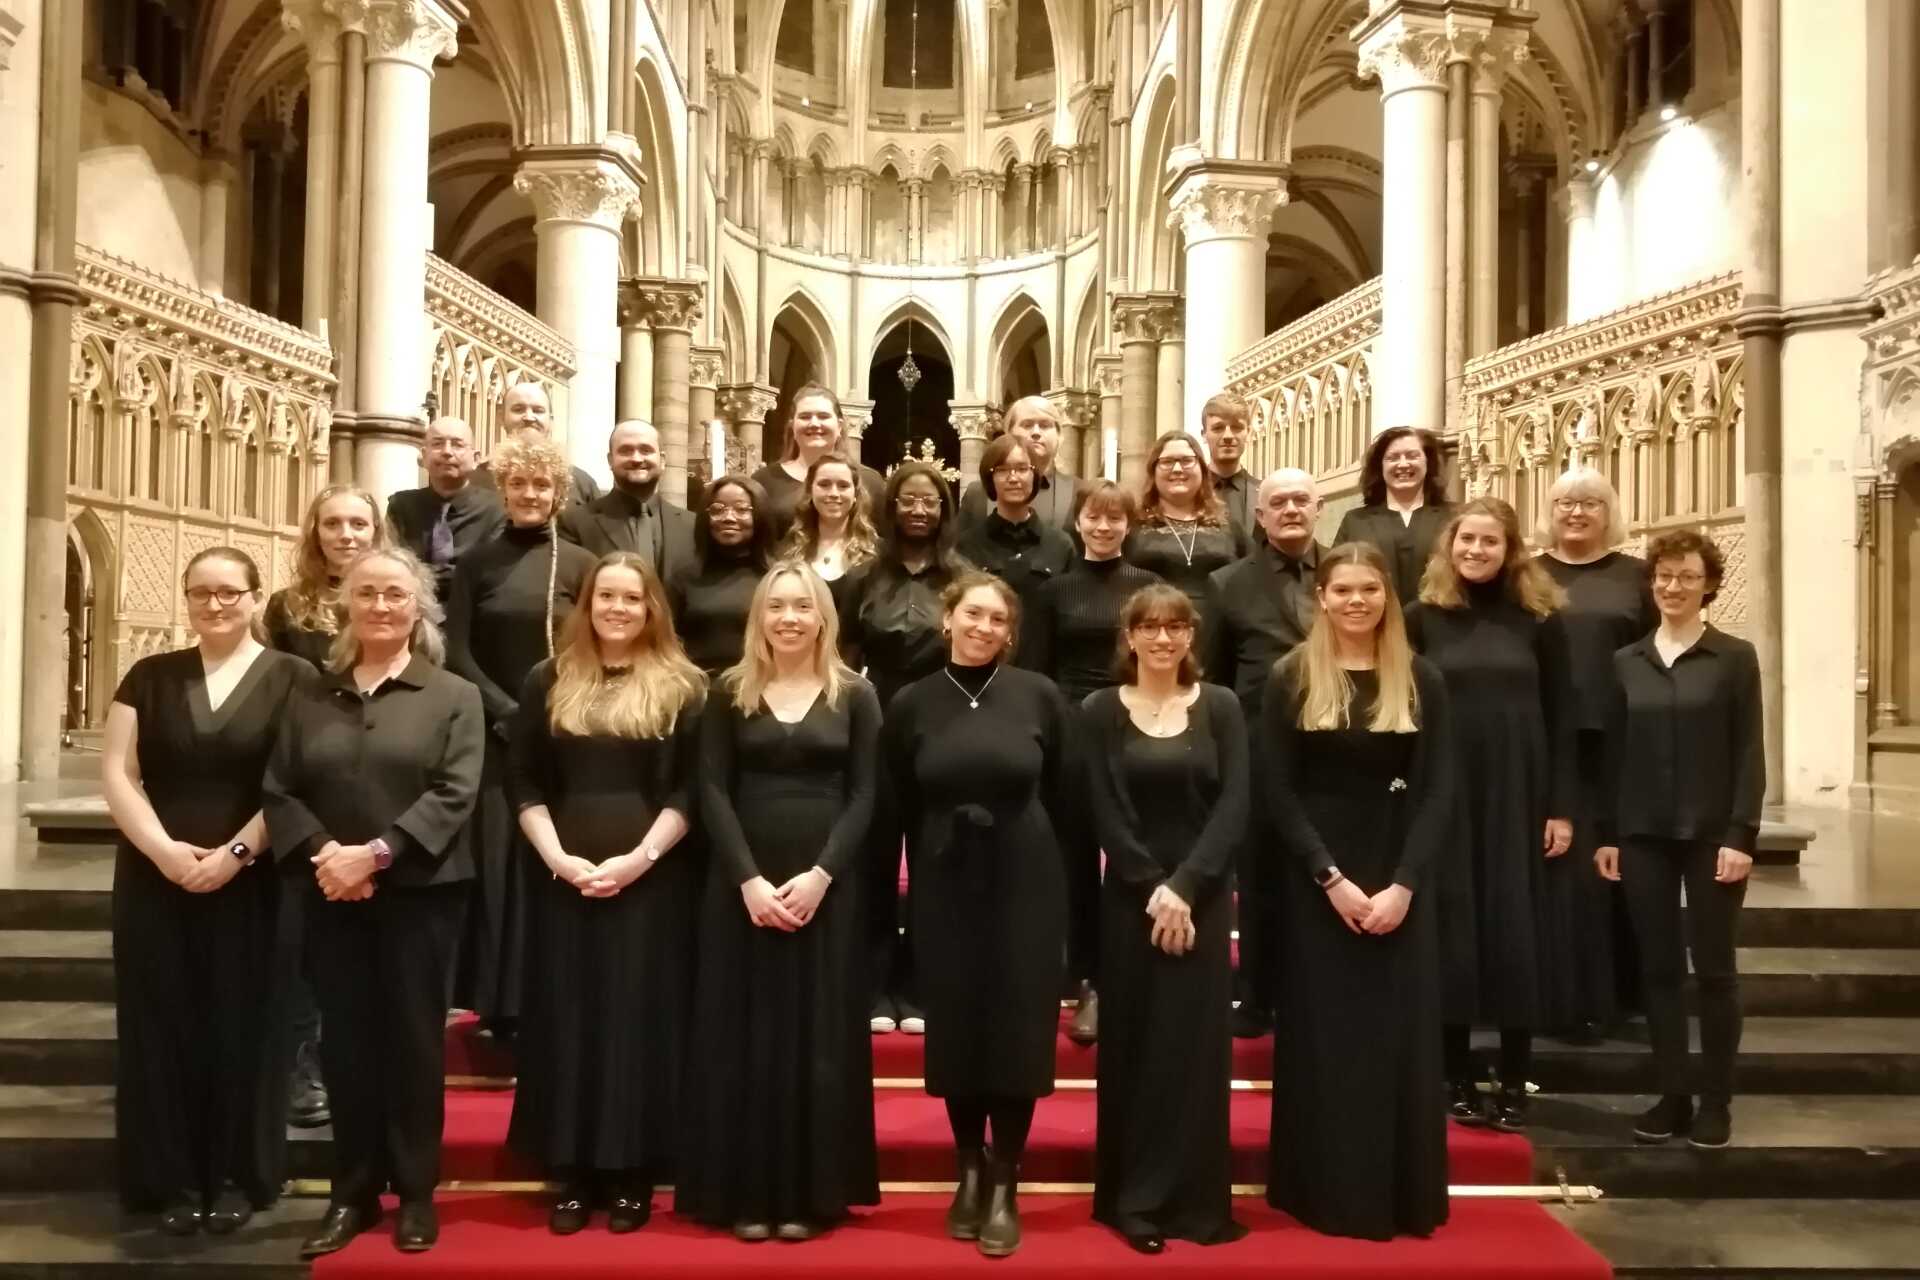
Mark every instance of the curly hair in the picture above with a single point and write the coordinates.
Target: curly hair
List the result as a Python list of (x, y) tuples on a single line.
[(533, 453), (1678, 544)]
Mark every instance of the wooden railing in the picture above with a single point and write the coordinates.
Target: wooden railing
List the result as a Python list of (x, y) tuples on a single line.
[(483, 344)]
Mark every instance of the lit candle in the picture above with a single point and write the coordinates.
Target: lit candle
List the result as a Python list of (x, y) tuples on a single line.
[(717, 447)]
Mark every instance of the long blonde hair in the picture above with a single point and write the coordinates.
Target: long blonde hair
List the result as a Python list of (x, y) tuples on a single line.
[(747, 679), (1326, 690), (426, 640), (1522, 578), (648, 701), (313, 602)]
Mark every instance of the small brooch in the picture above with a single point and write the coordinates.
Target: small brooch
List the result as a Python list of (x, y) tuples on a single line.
[(1398, 784)]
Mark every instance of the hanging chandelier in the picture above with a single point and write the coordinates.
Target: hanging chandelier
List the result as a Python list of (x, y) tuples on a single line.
[(909, 374)]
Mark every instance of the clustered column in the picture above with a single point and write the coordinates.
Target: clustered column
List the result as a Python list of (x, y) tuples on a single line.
[(1140, 322), (672, 308)]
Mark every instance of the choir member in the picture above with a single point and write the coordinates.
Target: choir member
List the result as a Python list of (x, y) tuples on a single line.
[(1069, 637), (780, 1109), (1403, 491), (978, 761), (1487, 619), (833, 526), (1687, 774), (603, 746), (1261, 607), (1167, 763), (509, 598), (1033, 421), (1184, 532), (733, 542), (634, 516), (1609, 605), (527, 407), (451, 515), (1012, 541), (816, 425), (1225, 422), (303, 618), (891, 626), (1356, 759), (371, 782), (196, 1098)]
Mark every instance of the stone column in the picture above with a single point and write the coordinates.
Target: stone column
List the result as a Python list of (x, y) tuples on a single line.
[(916, 193), (318, 23), (1137, 324), (998, 243), (216, 202), (672, 308), (1020, 238), (1075, 409), (1106, 386), (1408, 52), (855, 417), (1577, 205), (403, 39), (970, 420), (1170, 380), (747, 405), (633, 389), (1224, 215), (1635, 45), (1490, 61), (580, 199), (345, 334)]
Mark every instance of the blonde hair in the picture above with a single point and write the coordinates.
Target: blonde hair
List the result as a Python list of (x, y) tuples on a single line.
[(1326, 690), (313, 602), (426, 641), (1583, 482), (1522, 578), (747, 679), (661, 684)]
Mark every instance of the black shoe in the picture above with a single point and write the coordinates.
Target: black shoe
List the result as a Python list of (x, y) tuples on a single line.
[(1510, 1111), (1712, 1126), (307, 1106), (1151, 1243), (230, 1211), (182, 1217), (970, 1197), (338, 1228), (631, 1210), (1250, 1022), (570, 1212), (1000, 1224), (1085, 1027), (1671, 1115), (1467, 1105), (418, 1229), (795, 1232)]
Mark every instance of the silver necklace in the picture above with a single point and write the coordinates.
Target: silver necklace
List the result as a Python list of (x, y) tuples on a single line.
[(973, 700), (1193, 535)]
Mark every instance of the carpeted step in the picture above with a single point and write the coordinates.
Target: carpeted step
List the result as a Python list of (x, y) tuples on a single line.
[(503, 1237), (917, 1146)]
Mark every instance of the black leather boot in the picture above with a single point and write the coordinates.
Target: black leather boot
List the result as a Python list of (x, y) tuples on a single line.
[(1000, 1227), (970, 1198)]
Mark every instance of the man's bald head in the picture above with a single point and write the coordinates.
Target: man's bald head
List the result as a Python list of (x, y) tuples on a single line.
[(526, 406), (1288, 507), (447, 452)]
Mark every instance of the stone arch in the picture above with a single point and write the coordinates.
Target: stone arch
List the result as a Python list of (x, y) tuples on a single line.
[(734, 334), (661, 244), (1022, 354), (1005, 152), (917, 310), (938, 156), (1087, 332), (807, 322), (1153, 260), (1270, 48), (92, 603)]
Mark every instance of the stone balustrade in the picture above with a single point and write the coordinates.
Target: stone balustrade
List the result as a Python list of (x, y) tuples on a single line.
[(483, 344)]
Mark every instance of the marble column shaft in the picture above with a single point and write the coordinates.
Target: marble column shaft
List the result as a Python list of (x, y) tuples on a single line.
[(321, 29), (1224, 219)]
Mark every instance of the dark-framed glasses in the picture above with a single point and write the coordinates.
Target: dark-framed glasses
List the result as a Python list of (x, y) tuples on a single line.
[(200, 597)]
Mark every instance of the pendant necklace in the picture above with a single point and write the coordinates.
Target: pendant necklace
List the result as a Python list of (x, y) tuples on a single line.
[(973, 699), (1193, 536)]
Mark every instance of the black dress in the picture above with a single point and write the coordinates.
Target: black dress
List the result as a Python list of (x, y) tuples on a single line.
[(1506, 674), (609, 980), (496, 632), (1609, 606), (196, 1100), (977, 788), (1187, 555), (1407, 544), (710, 610), (1359, 1138), (780, 1110), (1170, 811)]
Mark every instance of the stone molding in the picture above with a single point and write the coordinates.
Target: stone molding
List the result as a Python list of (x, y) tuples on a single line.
[(1408, 44), (318, 24), (1148, 317), (456, 301), (1351, 320), (663, 304), (1892, 399), (416, 32)]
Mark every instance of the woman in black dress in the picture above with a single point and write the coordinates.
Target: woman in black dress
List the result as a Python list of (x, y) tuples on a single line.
[(833, 525), (303, 618), (1687, 772), (815, 427), (1403, 491), (1012, 542), (509, 598), (1609, 606), (891, 628), (780, 1137), (1184, 532), (1167, 763), (978, 762), (733, 538), (1487, 620), (196, 1101), (371, 783), (1069, 636), (602, 758), (1357, 783)]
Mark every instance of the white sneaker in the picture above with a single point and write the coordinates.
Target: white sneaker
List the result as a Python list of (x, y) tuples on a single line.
[(880, 1024), (914, 1026)]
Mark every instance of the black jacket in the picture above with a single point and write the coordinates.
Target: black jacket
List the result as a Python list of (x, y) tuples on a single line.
[(1405, 545), (475, 516), (1256, 614), (601, 526)]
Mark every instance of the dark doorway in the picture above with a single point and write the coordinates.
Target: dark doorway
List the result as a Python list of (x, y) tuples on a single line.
[(903, 420)]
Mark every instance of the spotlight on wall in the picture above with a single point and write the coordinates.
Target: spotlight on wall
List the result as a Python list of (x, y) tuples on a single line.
[(1593, 164), (1669, 111), (806, 102), (1029, 106)]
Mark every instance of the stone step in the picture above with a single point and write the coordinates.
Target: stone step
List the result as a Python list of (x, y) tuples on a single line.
[(1830, 927), (56, 964), (1822, 1055), (1821, 981), (56, 1042), (86, 1236), (1750, 1239)]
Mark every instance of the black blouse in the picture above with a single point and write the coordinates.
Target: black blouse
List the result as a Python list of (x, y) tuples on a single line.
[(710, 611), (1073, 633), (1406, 544), (891, 623), (1609, 606), (1026, 556), (1187, 555)]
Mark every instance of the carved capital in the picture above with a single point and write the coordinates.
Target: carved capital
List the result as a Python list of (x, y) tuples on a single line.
[(578, 186), (1493, 55), (1404, 52), (663, 304), (748, 401), (706, 366), (319, 23), (1146, 317), (1206, 208), (855, 417), (970, 421), (415, 32), (1106, 376)]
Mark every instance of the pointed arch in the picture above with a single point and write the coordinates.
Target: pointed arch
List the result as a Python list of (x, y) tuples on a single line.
[(807, 321), (661, 244), (1087, 331), (938, 156), (914, 309), (735, 337), (1005, 152), (1154, 250), (1019, 332)]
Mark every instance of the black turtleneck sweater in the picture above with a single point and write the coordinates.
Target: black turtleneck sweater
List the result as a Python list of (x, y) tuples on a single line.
[(497, 612), (1073, 634), (710, 610)]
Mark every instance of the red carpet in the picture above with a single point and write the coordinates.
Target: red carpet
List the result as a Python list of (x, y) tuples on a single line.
[(484, 1237)]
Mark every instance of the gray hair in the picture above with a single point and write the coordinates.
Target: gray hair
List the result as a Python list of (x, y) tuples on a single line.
[(427, 639), (1583, 482)]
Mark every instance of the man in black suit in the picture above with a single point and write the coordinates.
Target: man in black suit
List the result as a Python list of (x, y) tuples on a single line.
[(634, 517), (451, 515), (526, 407), (1262, 606), (1033, 421)]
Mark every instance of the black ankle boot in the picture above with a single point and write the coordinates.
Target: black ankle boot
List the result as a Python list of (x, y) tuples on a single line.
[(1510, 1111), (1000, 1226), (970, 1198), (1466, 1104)]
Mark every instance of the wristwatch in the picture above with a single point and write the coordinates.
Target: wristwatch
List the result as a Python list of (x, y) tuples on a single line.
[(239, 850), (650, 853), (1328, 878), (382, 853)]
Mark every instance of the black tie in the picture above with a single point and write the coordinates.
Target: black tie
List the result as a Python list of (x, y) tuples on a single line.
[(440, 537)]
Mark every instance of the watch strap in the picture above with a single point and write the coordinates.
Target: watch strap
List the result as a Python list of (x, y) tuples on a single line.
[(382, 853)]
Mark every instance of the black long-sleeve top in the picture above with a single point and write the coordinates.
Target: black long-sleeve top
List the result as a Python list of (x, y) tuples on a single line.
[(1205, 811), (1026, 556), (1259, 608), (1685, 756), (474, 517), (710, 610), (891, 623), (1406, 544), (401, 763), (1073, 632), (1609, 606), (497, 611), (836, 749)]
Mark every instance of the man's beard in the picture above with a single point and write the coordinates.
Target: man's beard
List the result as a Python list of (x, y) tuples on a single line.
[(639, 489)]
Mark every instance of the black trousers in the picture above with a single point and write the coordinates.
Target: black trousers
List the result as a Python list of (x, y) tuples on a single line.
[(1652, 873), (889, 942), (380, 971)]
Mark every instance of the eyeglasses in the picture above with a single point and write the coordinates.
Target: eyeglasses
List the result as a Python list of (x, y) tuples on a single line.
[(1013, 473), (720, 510), (1171, 630), (227, 596), (392, 597), (1177, 464), (1585, 506), (917, 504), (1679, 579)]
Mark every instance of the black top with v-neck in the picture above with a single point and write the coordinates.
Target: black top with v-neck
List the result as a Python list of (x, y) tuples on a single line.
[(200, 765)]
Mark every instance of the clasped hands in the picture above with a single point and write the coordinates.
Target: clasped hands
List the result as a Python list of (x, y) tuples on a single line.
[(344, 871), (199, 870), (1381, 913), (1172, 916), (789, 907), (602, 879)]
